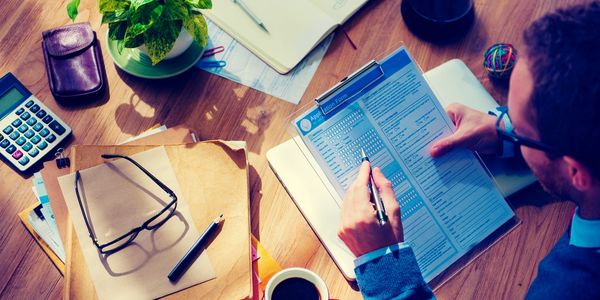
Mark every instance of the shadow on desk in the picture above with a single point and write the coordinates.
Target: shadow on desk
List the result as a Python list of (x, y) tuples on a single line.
[(217, 107), (159, 101)]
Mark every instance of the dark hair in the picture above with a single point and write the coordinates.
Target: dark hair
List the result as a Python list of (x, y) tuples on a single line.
[(563, 49)]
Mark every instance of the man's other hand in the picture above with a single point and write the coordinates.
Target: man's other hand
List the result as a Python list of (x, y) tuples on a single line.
[(359, 227), (474, 130)]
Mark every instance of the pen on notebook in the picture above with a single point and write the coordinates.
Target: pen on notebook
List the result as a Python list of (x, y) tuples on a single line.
[(252, 16), (187, 260), (379, 208)]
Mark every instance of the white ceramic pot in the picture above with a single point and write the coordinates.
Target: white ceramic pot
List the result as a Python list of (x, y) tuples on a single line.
[(183, 42)]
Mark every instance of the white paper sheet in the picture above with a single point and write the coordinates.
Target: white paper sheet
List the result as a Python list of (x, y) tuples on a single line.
[(40, 193), (119, 197), (43, 229), (246, 68)]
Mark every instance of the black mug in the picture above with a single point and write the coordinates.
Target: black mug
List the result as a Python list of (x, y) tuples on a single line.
[(438, 20)]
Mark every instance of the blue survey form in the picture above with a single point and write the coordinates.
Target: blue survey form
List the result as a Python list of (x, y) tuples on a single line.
[(449, 204)]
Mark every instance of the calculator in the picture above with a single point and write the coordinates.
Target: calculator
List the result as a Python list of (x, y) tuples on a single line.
[(28, 129)]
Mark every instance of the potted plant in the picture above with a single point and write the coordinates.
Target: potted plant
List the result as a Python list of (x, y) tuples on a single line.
[(157, 25)]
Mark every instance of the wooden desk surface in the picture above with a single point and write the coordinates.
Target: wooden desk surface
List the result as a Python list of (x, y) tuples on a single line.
[(220, 109)]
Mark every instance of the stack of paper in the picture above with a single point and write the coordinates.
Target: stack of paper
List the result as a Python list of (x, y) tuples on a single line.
[(39, 221), (242, 66), (117, 197), (213, 177), (44, 223)]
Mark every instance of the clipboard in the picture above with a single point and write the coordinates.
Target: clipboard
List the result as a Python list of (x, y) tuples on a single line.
[(314, 194)]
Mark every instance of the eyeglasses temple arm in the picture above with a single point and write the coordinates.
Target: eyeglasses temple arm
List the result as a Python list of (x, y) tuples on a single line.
[(85, 216), (156, 180)]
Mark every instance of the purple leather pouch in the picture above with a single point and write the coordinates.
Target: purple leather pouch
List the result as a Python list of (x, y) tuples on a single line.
[(74, 63)]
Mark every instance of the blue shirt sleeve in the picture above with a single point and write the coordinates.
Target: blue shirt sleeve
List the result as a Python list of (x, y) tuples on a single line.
[(393, 275)]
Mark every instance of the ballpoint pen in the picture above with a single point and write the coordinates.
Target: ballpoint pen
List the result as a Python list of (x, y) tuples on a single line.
[(376, 198), (249, 12), (187, 260)]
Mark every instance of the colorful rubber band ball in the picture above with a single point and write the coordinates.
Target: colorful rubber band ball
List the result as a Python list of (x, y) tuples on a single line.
[(499, 60)]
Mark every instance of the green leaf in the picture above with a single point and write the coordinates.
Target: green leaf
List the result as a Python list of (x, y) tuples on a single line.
[(134, 30), (105, 6), (176, 9), (200, 4), (72, 9), (160, 38), (116, 31), (141, 19), (116, 16), (135, 4), (133, 41), (196, 27), (120, 46)]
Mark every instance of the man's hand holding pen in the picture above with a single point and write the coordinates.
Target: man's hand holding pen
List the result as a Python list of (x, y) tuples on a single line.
[(359, 228)]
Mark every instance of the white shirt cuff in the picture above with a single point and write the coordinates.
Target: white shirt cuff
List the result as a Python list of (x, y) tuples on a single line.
[(369, 256)]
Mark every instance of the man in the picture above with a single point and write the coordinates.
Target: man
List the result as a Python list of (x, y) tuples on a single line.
[(554, 106)]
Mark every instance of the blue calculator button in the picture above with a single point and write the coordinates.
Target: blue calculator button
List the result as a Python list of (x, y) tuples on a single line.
[(29, 104), (36, 139), (17, 123), (29, 134), (24, 160), (34, 108), (44, 132), (8, 129), (19, 111), (31, 121), (23, 128), (42, 145), (38, 127), (47, 119), (15, 135), (56, 127), (1, 137), (34, 152), (51, 138), (42, 113), (11, 148), (27, 146), (25, 116), (20, 141), (4, 143)]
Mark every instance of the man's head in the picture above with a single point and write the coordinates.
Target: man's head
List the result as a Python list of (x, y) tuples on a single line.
[(554, 98)]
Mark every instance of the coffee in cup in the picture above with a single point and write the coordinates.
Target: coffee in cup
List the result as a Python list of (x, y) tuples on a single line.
[(296, 283)]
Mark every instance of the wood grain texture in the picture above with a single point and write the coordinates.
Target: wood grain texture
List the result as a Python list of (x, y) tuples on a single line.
[(219, 109)]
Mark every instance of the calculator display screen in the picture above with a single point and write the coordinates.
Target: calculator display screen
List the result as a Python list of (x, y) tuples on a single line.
[(8, 101)]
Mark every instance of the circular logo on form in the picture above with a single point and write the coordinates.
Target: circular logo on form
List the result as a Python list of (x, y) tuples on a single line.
[(305, 125)]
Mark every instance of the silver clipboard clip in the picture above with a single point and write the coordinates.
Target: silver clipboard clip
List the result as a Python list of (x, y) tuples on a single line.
[(324, 98)]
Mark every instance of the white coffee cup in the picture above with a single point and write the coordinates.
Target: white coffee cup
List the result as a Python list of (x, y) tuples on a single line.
[(296, 273)]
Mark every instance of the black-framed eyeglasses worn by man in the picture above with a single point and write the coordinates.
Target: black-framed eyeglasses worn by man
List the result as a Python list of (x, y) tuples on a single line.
[(152, 223), (507, 133)]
